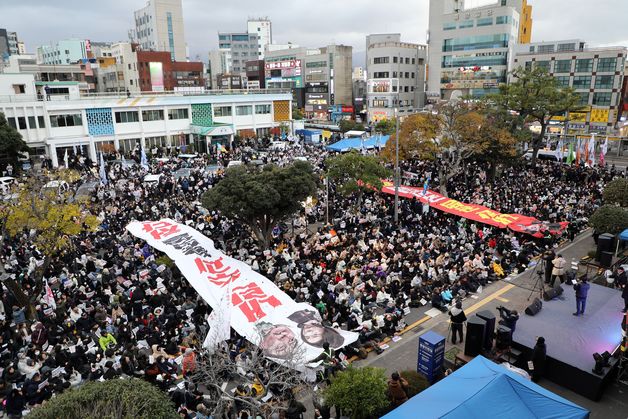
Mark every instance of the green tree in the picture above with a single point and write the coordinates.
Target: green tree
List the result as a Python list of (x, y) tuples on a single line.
[(11, 142), (361, 392), (297, 114), (616, 192), (609, 219), (128, 399), (534, 96), (386, 126), (51, 219), (350, 125), (355, 173), (262, 198)]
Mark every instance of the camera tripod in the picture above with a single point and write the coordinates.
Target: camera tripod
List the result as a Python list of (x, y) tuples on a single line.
[(539, 283)]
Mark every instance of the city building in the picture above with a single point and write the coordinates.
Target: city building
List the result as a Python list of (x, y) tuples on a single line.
[(67, 51), (71, 121), (359, 99), (158, 73), (263, 27), (21, 47), (395, 77), (117, 69), (255, 74), (525, 23), (237, 49), (318, 77), (230, 82), (218, 64), (358, 74), (159, 27), (597, 75), (279, 47), (9, 44), (471, 44)]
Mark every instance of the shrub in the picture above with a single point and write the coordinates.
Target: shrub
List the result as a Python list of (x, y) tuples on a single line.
[(128, 398), (609, 219), (616, 192), (416, 382), (361, 392)]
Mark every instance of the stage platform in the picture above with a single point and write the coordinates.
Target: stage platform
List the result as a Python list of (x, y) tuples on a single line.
[(571, 341)]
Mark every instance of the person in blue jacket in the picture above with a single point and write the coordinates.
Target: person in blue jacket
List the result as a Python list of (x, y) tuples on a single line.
[(582, 290)]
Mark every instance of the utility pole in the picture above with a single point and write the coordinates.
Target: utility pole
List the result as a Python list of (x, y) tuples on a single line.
[(397, 143), (327, 201)]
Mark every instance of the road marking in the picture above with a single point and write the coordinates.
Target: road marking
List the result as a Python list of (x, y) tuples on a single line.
[(503, 300), (488, 299)]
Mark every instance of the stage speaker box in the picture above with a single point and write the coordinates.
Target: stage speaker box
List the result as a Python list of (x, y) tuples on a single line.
[(604, 244), (535, 307), (551, 293), (476, 328), (606, 259), (504, 336), (489, 331)]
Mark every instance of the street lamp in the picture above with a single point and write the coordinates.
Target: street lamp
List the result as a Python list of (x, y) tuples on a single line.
[(397, 163)]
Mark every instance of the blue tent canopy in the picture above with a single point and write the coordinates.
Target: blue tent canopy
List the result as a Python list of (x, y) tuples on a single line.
[(347, 144), (624, 235), (483, 389)]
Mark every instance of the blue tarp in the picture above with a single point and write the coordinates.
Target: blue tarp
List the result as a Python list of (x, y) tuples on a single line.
[(624, 235), (483, 389), (347, 144)]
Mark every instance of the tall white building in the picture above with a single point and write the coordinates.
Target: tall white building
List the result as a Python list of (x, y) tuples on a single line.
[(263, 27), (159, 27), (471, 45)]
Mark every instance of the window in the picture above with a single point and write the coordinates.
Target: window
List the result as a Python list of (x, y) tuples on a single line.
[(21, 122), (449, 26), (604, 82), (566, 47), (68, 120), (543, 64), (222, 111), (244, 110), (407, 60), (602, 99), (546, 49), (485, 21), (19, 89), (584, 65), (413, 74), (501, 20), (181, 113), (127, 116), (466, 24), (395, 60), (469, 43), (262, 109), (317, 64), (413, 61), (40, 122), (562, 66), (31, 122), (606, 64), (582, 82), (153, 115), (381, 60), (11, 122), (563, 80), (584, 98), (380, 103), (528, 65), (381, 75), (407, 75)]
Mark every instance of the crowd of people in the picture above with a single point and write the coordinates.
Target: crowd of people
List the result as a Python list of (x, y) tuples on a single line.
[(123, 311)]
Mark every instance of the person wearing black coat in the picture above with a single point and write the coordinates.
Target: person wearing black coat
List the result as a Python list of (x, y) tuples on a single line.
[(539, 356), (457, 317), (15, 404)]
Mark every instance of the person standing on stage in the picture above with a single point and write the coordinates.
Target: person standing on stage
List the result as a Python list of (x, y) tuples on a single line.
[(558, 269), (548, 257), (582, 290)]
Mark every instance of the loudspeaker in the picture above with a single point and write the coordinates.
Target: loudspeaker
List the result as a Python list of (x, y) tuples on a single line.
[(551, 293), (604, 244), (535, 307), (476, 328), (606, 259), (504, 336), (489, 331)]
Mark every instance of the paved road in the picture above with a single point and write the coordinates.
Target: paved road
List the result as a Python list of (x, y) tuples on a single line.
[(515, 294)]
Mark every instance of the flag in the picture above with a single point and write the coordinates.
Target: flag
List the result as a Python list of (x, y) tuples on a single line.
[(426, 185), (559, 148), (219, 323), (103, 171), (570, 154), (65, 159), (603, 151), (49, 297), (578, 153), (591, 151), (143, 159)]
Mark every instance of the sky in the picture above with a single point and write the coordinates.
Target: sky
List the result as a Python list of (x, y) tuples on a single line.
[(304, 22)]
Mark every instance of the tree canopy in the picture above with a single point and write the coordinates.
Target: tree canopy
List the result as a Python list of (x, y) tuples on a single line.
[(11, 142), (262, 198), (609, 219), (361, 392), (616, 192), (386, 126), (350, 125), (355, 173), (534, 96), (128, 399)]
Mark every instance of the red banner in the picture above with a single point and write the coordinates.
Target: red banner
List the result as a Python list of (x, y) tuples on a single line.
[(479, 213)]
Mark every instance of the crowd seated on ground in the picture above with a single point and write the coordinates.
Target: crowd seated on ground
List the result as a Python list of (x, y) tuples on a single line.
[(120, 312)]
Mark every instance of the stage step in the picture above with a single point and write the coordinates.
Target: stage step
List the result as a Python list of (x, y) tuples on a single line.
[(515, 352)]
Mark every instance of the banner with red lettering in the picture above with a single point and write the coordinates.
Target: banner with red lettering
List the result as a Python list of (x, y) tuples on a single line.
[(479, 213), (260, 311)]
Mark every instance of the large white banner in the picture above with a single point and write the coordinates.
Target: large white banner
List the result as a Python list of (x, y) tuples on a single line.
[(260, 311)]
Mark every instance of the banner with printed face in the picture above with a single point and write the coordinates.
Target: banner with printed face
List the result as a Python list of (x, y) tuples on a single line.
[(479, 213), (260, 311)]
